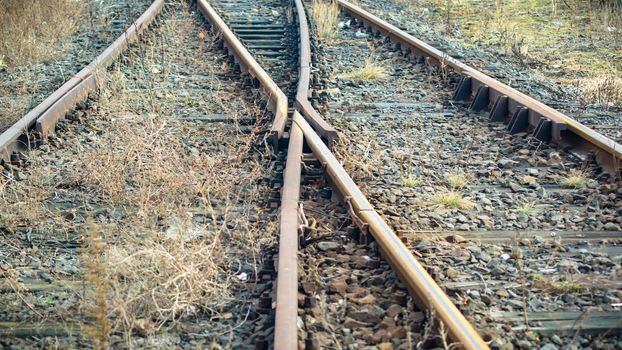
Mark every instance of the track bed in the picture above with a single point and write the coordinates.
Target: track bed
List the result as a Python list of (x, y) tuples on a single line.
[(441, 174), (195, 202), (151, 212), (350, 296), (23, 87)]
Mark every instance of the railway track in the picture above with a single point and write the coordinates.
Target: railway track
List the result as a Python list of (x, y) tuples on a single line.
[(25, 87), (161, 115), (436, 167), (392, 272)]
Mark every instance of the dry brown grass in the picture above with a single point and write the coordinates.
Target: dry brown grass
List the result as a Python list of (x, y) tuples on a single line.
[(602, 90), (22, 200), (456, 180), (163, 265), (170, 200), (155, 278), (450, 200), (606, 13), (96, 269), (363, 161), (30, 30), (184, 228), (565, 285), (369, 71), (574, 179), (142, 169), (325, 14)]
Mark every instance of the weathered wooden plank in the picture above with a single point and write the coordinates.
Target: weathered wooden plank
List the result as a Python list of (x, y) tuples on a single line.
[(32, 285), (493, 285), (565, 322), (43, 329), (511, 235)]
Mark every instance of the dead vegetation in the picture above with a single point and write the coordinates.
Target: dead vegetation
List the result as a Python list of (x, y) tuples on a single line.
[(325, 14), (362, 161), (172, 213), (604, 90), (23, 201), (569, 42), (563, 285), (167, 254), (162, 248), (143, 168), (369, 71), (450, 200), (575, 179), (456, 180), (30, 28), (96, 271), (183, 218)]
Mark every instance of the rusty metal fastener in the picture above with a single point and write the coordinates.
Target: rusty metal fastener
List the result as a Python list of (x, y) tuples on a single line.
[(311, 343)]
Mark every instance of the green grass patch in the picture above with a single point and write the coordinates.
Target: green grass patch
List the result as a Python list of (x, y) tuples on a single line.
[(575, 179), (369, 71), (527, 209), (411, 181), (456, 180), (451, 200)]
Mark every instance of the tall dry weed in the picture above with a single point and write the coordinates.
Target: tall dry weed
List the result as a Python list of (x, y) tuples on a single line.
[(325, 15), (22, 194), (142, 169), (602, 90), (185, 215), (176, 212), (171, 250), (30, 28)]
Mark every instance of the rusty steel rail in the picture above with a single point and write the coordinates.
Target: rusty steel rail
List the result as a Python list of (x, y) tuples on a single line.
[(286, 329), (505, 103), (324, 129), (277, 101), (286, 319), (75, 90), (286, 315), (426, 293)]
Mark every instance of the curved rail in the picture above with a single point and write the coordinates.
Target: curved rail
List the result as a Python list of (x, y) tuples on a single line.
[(277, 101), (326, 131), (424, 289), (286, 330), (75, 90), (286, 315), (503, 101), (286, 320)]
